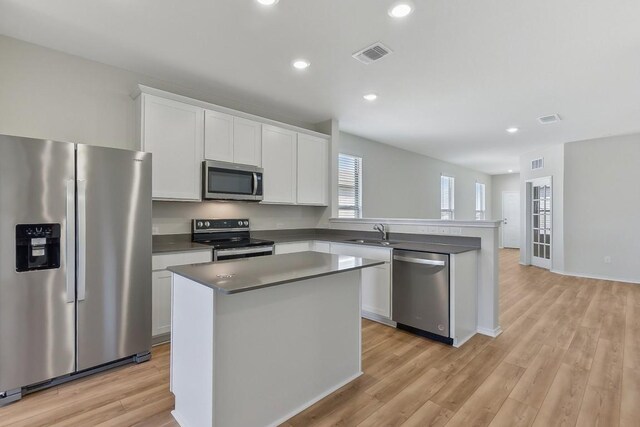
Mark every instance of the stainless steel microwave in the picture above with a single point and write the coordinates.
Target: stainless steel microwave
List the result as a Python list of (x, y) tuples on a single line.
[(231, 181)]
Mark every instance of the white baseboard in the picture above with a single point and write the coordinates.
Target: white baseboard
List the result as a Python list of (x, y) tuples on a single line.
[(176, 417), (378, 318), (597, 277), (457, 343), (313, 401), (490, 332)]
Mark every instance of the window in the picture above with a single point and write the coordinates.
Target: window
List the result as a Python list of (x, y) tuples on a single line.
[(349, 186), (447, 191), (480, 201)]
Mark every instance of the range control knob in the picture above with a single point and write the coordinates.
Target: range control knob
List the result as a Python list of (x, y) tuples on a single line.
[(240, 223), (199, 224), (246, 223), (207, 224)]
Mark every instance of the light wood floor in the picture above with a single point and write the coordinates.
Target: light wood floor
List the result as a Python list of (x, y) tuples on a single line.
[(569, 355)]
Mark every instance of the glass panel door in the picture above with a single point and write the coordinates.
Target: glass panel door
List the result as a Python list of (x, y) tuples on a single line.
[(541, 223)]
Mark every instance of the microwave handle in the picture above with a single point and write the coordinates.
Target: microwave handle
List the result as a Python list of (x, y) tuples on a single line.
[(255, 183)]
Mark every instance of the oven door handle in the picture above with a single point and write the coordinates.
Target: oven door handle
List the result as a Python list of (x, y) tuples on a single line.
[(243, 251), (255, 183)]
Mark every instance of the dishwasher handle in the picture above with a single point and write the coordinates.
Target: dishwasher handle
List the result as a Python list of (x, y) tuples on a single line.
[(429, 262)]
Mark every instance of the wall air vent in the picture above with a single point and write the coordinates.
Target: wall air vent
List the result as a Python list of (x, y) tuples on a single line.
[(372, 53), (537, 164), (553, 118)]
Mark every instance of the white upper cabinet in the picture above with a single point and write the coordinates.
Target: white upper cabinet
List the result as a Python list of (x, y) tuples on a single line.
[(279, 161), (232, 139), (247, 142), (174, 133), (313, 170), (218, 136)]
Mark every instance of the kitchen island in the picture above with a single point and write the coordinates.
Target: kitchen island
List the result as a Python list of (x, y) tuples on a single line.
[(257, 340)]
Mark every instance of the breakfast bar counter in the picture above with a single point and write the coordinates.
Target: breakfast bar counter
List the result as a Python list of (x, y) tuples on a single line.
[(257, 340)]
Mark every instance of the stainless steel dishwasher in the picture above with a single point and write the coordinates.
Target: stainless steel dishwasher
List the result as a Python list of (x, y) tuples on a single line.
[(421, 293)]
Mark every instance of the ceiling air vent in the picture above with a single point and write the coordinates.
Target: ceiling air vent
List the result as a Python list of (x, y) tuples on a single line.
[(537, 164), (553, 118), (372, 53)]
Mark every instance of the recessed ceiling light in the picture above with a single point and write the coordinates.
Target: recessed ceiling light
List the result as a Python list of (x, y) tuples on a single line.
[(512, 129), (370, 97), (510, 171), (268, 2), (301, 64), (400, 9)]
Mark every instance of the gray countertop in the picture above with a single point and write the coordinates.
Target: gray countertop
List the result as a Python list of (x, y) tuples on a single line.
[(413, 242), (175, 243), (410, 242), (241, 275)]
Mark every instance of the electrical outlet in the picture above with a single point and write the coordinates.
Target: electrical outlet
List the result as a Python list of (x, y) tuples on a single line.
[(607, 259), (444, 230), (456, 230), (433, 229)]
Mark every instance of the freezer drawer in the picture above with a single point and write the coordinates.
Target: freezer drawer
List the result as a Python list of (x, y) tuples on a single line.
[(421, 291)]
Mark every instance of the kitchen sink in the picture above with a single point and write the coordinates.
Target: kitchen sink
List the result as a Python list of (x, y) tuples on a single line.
[(372, 242)]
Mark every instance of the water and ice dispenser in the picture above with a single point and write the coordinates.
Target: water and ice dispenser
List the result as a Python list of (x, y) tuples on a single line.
[(37, 247)]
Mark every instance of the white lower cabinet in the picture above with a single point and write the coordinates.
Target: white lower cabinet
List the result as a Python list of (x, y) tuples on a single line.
[(376, 290), (292, 247), (161, 288), (376, 281), (318, 246), (161, 303)]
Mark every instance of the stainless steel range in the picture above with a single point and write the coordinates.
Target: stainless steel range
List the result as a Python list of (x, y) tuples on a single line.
[(230, 238)]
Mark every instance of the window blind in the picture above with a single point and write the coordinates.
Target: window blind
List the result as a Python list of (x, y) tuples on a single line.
[(447, 192), (480, 201), (349, 186)]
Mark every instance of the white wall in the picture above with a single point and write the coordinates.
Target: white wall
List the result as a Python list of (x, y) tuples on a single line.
[(554, 167), (602, 207), (500, 183), (402, 184), (174, 217)]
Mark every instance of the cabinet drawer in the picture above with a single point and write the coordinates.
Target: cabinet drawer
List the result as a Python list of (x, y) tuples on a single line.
[(380, 254), (318, 246), (162, 261), (289, 248)]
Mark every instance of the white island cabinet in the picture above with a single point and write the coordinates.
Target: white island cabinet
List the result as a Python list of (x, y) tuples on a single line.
[(252, 343)]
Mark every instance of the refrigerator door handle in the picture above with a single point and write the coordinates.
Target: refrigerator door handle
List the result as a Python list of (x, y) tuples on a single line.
[(71, 241), (82, 239)]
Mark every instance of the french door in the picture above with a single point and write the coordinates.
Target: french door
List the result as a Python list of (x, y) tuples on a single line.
[(541, 222)]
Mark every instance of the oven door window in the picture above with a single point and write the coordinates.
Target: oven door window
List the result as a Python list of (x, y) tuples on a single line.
[(227, 181)]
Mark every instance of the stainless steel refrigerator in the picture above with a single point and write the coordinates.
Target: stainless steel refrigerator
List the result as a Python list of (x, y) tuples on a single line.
[(75, 261)]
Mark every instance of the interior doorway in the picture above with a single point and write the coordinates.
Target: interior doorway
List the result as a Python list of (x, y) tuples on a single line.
[(511, 219), (540, 224)]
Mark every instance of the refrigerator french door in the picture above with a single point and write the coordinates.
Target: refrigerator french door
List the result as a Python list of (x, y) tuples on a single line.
[(75, 259), (114, 254)]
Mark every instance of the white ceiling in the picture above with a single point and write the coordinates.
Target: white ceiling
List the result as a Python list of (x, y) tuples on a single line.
[(461, 71)]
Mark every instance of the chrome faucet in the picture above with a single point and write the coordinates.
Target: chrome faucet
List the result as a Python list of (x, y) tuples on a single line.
[(383, 230)]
